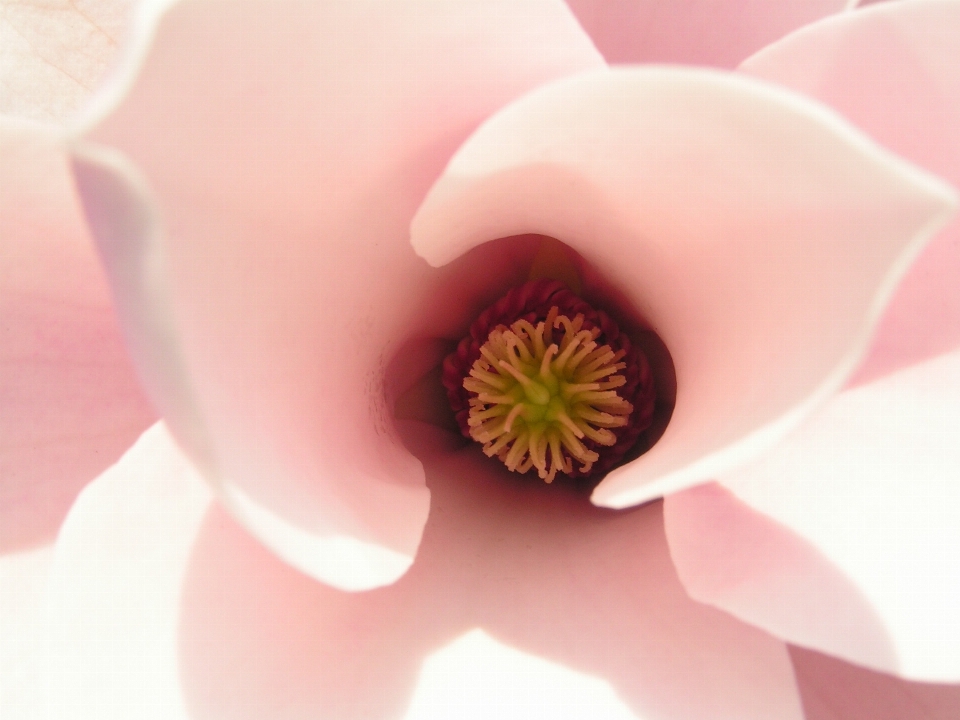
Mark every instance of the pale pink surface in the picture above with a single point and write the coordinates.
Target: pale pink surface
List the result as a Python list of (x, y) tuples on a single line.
[(69, 401), (719, 33), (152, 580), (845, 537), (286, 147), (136, 573), (54, 54), (756, 232), (892, 70), (858, 509), (257, 397), (738, 558)]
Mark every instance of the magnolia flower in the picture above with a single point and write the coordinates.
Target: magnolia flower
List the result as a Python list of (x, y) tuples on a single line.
[(295, 205)]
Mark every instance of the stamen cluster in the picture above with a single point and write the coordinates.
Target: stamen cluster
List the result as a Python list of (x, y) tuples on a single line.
[(535, 422), (534, 393)]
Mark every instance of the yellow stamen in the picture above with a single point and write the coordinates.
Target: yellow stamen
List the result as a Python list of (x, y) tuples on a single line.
[(535, 398)]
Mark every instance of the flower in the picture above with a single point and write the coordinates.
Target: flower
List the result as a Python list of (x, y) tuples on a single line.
[(273, 307)]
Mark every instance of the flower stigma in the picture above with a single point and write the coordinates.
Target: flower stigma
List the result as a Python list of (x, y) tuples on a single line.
[(546, 381)]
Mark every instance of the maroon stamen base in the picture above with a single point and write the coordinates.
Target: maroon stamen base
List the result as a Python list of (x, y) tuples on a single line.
[(532, 302)]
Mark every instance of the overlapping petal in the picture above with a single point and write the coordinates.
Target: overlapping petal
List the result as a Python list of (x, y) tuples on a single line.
[(254, 226), (192, 617), (870, 570), (113, 598), (70, 403), (755, 231), (697, 32), (262, 245), (845, 537), (892, 69)]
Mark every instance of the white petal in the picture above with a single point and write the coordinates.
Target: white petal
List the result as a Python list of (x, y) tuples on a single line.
[(590, 592), (476, 678), (23, 577), (111, 611), (845, 537)]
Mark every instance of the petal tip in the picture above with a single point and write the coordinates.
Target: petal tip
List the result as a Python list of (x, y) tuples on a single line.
[(341, 561)]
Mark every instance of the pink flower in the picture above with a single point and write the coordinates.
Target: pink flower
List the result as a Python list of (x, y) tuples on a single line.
[(292, 202)]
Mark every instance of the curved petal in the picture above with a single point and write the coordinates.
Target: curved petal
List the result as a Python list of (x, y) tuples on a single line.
[(112, 601), (696, 32), (53, 54), (284, 148), (70, 403), (756, 232), (845, 537), (835, 690), (580, 591), (892, 69)]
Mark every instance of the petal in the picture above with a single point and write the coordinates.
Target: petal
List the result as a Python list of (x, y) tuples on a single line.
[(697, 32), (835, 690), (70, 401), (112, 601), (22, 579), (756, 232), (53, 54), (892, 69), (476, 677), (283, 148), (580, 592), (845, 537)]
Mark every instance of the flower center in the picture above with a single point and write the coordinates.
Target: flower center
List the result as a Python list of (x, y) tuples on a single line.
[(546, 381), (535, 393)]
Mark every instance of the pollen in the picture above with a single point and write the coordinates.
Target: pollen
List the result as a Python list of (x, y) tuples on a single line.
[(538, 393)]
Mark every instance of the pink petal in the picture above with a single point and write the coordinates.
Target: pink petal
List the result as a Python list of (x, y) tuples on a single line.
[(835, 690), (587, 591), (845, 537), (112, 607), (284, 148), (893, 70), (756, 232), (697, 32), (54, 53), (69, 401)]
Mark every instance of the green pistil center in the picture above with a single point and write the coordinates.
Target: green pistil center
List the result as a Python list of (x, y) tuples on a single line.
[(536, 398)]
